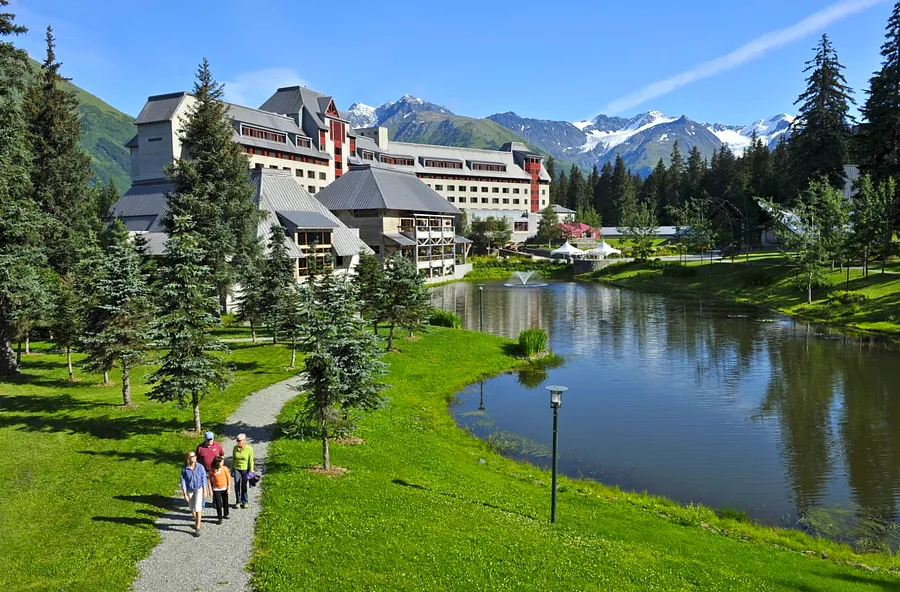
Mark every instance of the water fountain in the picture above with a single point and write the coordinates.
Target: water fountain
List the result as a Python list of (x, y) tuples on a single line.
[(523, 277)]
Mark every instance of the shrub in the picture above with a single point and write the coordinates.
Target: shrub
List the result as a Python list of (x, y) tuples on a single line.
[(656, 264), (847, 297), (679, 271), (445, 318), (229, 320), (532, 341), (758, 279)]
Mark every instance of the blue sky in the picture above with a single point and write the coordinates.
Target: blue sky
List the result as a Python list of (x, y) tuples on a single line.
[(564, 60)]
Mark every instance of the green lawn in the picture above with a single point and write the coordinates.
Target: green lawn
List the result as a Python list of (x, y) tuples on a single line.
[(427, 507), (87, 478), (766, 280)]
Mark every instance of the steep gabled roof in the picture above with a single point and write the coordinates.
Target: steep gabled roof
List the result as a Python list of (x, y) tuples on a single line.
[(160, 108), (294, 100), (374, 187)]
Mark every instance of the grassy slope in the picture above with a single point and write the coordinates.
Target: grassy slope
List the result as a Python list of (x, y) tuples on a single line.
[(420, 510), (105, 130), (881, 313), (86, 478)]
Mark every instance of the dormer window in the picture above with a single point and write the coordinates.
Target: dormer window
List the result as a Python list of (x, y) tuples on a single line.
[(443, 164), (261, 134), (303, 142), (487, 166)]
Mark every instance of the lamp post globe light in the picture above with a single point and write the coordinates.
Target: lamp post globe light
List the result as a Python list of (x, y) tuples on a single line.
[(556, 392), (481, 307)]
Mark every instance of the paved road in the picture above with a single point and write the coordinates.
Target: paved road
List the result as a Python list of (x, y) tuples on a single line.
[(216, 560)]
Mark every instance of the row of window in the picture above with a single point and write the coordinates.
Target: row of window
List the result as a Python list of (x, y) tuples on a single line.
[(462, 189), (478, 166), (262, 134), (284, 156), (400, 161), (320, 239), (494, 200), (297, 172), (443, 164)]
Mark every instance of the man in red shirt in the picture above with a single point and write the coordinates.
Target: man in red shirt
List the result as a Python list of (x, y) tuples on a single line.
[(208, 450)]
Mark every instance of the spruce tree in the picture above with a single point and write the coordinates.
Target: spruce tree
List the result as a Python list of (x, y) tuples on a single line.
[(67, 319), (562, 189), (576, 189), (107, 196), (116, 330), (212, 185), (696, 170), (342, 366), (593, 184), (880, 145), (251, 299), (403, 296), (871, 228), (368, 279), (550, 165), (190, 368), (623, 191), (548, 226), (277, 281), (61, 170), (603, 192), (641, 229), (821, 132), (21, 258), (674, 178)]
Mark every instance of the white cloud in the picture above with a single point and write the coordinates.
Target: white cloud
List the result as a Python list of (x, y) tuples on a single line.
[(744, 54), (251, 89)]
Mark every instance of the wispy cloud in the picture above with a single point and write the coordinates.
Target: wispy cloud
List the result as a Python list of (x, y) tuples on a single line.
[(253, 88), (744, 54)]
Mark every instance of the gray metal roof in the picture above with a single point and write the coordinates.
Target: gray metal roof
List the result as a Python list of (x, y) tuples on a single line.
[(160, 108), (132, 143), (461, 240), (257, 117), (277, 191), (374, 187), (278, 147), (399, 239), (307, 220), (143, 206), (292, 100), (562, 209)]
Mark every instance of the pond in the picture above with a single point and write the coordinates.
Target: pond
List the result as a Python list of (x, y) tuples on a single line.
[(699, 402)]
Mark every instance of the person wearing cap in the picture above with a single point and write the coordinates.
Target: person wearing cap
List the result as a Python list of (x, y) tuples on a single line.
[(208, 450)]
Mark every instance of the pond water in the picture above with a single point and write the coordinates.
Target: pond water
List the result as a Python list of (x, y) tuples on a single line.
[(715, 404)]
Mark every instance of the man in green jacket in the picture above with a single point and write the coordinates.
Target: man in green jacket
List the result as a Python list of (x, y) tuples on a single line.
[(241, 464)]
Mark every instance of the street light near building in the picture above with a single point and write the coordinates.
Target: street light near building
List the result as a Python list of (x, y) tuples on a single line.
[(556, 392)]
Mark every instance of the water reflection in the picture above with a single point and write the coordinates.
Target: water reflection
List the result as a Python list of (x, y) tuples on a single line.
[(699, 402)]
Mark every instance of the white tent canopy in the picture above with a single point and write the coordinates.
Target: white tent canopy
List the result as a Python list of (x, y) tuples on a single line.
[(567, 250), (602, 250)]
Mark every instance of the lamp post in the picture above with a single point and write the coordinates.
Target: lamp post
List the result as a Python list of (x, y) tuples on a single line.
[(556, 392), (481, 397), (481, 307)]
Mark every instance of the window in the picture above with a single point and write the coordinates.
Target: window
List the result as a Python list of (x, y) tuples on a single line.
[(438, 187), (321, 176), (506, 200), (154, 139), (298, 172), (320, 238), (303, 142), (484, 200), (259, 165), (483, 166), (312, 188), (495, 200), (543, 192), (450, 188), (443, 164), (286, 168), (515, 190), (462, 199), (496, 189), (368, 155), (516, 201), (520, 226), (543, 202), (451, 199), (311, 174), (273, 166), (506, 190), (462, 187), (253, 132), (337, 132), (484, 189)]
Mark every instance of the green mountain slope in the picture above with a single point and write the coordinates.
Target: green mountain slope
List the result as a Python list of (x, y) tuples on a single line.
[(428, 127), (105, 130)]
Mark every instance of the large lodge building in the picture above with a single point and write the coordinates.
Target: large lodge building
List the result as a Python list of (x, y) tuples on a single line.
[(302, 134)]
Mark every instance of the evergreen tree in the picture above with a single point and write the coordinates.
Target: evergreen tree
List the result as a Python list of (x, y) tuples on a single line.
[(593, 182), (781, 172), (880, 145), (119, 314), (821, 132), (61, 170), (696, 171), (342, 367), (624, 196), (562, 189), (21, 257), (550, 165), (577, 195), (277, 281), (590, 217), (799, 233), (871, 228), (67, 319), (603, 201), (190, 370), (674, 179), (251, 299), (106, 197), (548, 226), (403, 296), (653, 190), (212, 185), (489, 231), (368, 279)]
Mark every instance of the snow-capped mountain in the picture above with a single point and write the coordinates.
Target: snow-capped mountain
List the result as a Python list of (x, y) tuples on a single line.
[(770, 131), (390, 113), (361, 115)]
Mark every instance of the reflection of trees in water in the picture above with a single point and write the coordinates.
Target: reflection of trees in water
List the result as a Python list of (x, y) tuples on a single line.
[(870, 430), (805, 378)]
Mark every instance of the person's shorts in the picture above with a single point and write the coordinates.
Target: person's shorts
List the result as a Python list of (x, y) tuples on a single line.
[(196, 500)]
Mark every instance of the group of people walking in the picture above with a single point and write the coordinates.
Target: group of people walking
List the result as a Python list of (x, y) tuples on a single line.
[(205, 476)]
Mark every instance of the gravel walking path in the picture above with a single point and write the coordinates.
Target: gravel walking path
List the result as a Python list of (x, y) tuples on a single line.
[(217, 559)]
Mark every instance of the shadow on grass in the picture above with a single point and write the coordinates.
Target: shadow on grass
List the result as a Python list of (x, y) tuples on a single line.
[(165, 457), (99, 427), (869, 581), (511, 349), (46, 404), (403, 483)]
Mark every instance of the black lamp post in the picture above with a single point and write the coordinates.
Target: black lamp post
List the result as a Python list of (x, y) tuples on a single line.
[(481, 397), (556, 392), (481, 307)]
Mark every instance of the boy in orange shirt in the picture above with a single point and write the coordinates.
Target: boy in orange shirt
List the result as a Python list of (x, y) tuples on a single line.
[(219, 481)]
